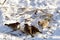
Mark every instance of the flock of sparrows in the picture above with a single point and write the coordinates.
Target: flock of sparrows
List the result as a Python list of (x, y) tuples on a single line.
[(27, 29), (30, 30)]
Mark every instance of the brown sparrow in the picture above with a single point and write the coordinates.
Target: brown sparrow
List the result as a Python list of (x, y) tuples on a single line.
[(44, 23), (31, 30), (14, 26)]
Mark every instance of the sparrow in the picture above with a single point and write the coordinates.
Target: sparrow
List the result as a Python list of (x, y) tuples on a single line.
[(14, 26), (28, 30), (44, 23), (31, 30), (35, 30)]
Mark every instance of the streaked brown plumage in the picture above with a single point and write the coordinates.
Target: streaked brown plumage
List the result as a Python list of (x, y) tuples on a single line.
[(31, 30), (28, 29), (35, 30), (44, 23), (13, 26)]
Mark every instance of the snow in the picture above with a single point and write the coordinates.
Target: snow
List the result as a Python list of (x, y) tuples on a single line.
[(13, 9)]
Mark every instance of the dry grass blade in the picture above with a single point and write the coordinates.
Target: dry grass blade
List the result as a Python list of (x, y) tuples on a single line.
[(3, 2)]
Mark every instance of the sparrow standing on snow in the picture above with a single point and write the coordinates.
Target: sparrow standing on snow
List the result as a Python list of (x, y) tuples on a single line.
[(44, 23), (14, 26), (31, 30)]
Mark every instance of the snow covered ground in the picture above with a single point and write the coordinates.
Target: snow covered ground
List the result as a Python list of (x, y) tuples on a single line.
[(18, 10)]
